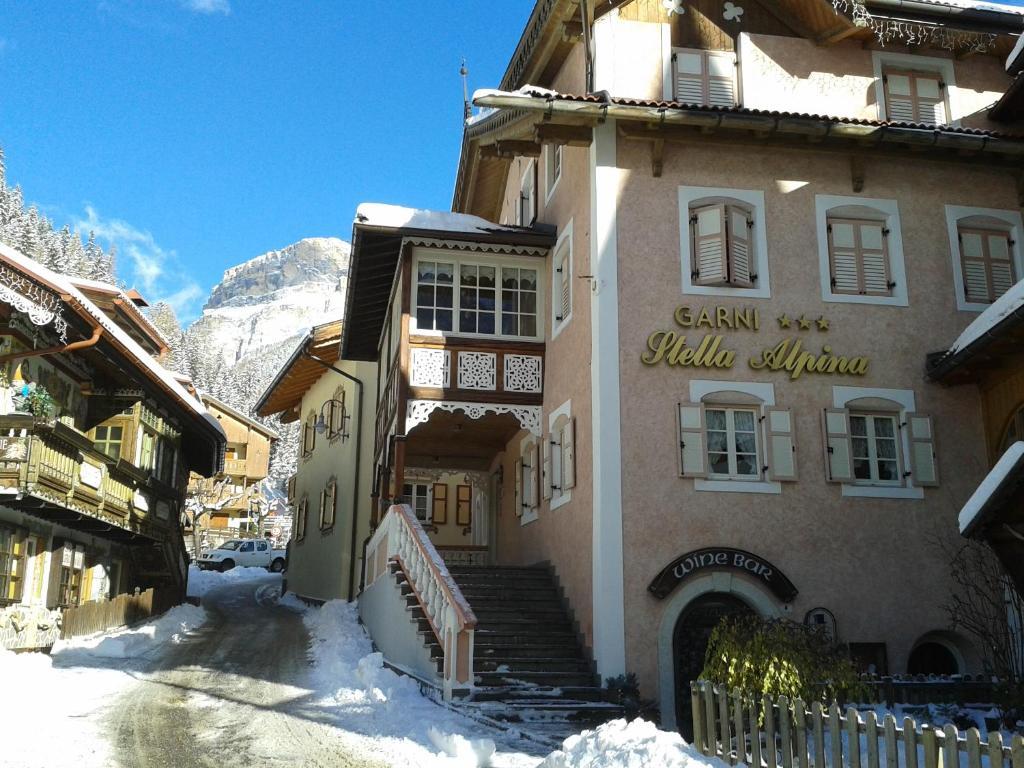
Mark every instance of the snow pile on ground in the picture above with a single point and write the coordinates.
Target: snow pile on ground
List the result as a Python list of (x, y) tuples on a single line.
[(66, 693), (621, 744), (138, 641), (200, 582), (385, 712)]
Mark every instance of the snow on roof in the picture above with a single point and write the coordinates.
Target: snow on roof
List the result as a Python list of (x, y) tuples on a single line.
[(66, 285), (398, 217), (974, 5), (995, 478), (1018, 49), (1001, 308)]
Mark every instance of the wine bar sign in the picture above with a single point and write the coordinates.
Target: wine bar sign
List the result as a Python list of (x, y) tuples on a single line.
[(721, 559)]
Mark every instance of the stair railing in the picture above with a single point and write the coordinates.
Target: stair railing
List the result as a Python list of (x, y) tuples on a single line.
[(401, 539)]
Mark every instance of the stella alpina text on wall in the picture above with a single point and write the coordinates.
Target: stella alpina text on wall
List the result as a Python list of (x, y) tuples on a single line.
[(691, 349)]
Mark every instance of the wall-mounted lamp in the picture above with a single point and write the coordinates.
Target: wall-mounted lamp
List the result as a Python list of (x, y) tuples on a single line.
[(321, 422)]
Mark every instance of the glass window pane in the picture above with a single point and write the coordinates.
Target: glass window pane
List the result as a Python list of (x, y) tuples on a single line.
[(745, 465), (745, 442), (744, 420), (486, 299), (444, 273), (509, 326), (717, 442), (862, 469), (886, 449), (528, 303), (467, 322), (860, 447), (425, 296), (487, 277), (715, 419), (443, 297), (467, 298), (719, 463), (425, 272), (424, 318), (858, 425), (509, 301), (486, 323), (444, 320), (468, 275), (528, 326), (528, 279), (887, 470), (883, 427)]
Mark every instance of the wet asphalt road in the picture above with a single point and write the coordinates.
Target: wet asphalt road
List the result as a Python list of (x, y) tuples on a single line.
[(234, 693)]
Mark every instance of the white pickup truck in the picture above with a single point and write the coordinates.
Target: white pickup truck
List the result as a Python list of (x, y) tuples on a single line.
[(245, 552)]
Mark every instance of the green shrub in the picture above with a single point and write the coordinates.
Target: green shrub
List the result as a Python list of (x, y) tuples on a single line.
[(39, 403), (779, 657)]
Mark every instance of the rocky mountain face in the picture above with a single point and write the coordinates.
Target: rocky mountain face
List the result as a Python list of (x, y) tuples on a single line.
[(253, 321)]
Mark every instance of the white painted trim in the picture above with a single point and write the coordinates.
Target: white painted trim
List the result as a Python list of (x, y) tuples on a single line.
[(752, 197), (609, 619), (667, 78), (549, 188), (763, 391), (719, 582), (908, 404), (556, 300), (956, 212), (897, 270), (943, 67), (564, 496)]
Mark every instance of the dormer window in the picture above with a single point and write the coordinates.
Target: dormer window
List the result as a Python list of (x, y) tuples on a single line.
[(706, 78), (720, 235), (914, 96)]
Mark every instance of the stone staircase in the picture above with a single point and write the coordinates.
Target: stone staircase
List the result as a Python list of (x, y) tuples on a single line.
[(530, 669)]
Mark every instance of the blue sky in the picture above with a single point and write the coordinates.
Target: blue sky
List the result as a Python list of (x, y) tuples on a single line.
[(199, 133)]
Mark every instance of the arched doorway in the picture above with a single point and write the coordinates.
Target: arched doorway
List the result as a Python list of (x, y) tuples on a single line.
[(932, 658), (690, 644)]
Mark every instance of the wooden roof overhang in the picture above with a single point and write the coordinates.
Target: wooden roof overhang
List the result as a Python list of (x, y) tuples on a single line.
[(659, 121), (234, 413), (299, 373), (990, 350), (373, 267)]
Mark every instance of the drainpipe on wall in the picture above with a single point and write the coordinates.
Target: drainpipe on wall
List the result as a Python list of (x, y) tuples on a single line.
[(359, 445), (73, 346)]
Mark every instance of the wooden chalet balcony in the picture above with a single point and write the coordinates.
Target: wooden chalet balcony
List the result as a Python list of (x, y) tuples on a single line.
[(53, 471), (476, 370), (235, 467)]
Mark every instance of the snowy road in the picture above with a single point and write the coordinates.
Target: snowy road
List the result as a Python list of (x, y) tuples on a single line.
[(234, 693)]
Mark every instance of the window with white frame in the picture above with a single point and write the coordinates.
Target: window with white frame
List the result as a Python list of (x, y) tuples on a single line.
[(723, 242), (561, 282), (736, 440), (722, 253), (984, 245), (417, 496), (860, 250), (914, 96), (558, 457), (482, 299), (528, 480), (875, 440), (526, 208), (552, 167), (704, 77)]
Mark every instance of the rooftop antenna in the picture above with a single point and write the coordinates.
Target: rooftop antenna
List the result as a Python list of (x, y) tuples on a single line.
[(467, 111)]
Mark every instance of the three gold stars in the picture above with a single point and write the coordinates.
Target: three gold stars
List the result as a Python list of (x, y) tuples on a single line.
[(803, 322)]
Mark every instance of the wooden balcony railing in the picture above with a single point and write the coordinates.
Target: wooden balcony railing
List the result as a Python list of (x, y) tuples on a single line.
[(467, 369), (58, 465)]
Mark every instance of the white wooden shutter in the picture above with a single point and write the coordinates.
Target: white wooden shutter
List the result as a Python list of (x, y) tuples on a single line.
[(986, 261), (1000, 256), (930, 98), (781, 453), (705, 77), (692, 456), (533, 489), (915, 97), (842, 253), (546, 480), (563, 285), (690, 80), (738, 241), (710, 254), (874, 257), (721, 74), (519, 488), (569, 455), (835, 424), (899, 97), (924, 469)]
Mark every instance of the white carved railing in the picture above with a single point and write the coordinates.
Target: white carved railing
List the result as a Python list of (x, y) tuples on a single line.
[(401, 539)]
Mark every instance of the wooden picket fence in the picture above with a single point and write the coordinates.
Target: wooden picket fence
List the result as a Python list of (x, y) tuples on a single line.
[(771, 732), (119, 611)]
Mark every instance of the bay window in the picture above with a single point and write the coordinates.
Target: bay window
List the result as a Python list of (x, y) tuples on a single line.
[(478, 299)]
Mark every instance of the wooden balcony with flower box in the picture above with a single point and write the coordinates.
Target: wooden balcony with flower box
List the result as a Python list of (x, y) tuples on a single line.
[(53, 471)]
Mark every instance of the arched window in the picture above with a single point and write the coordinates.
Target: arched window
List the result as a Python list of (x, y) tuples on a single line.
[(721, 243), (987, 257), (858, 251), (309, 435)]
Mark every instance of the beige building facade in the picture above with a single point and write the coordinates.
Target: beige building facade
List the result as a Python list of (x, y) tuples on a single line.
[(746, 230)]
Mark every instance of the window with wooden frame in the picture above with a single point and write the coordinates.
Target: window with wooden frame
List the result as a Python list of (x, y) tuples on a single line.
[(309, 435), (337, 415), (12, 564), (526, 208), (705, 77), (108, 439), (858, 251), (417, 496), (552, 167), (464, 505), (914, 96), (721, 244), (300, 518), (986, 262), (867, 447), (328, 504), (69, 591), (439, 504), (736, 442)]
